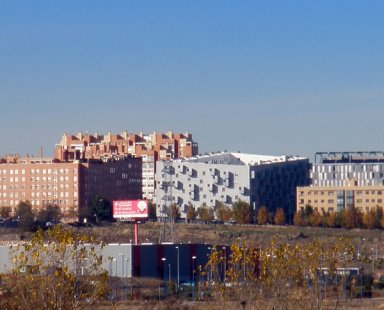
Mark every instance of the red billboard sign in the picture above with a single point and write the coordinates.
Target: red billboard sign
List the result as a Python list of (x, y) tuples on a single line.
[(130, 209)]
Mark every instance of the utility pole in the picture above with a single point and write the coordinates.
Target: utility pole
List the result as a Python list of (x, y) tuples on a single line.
[(167, 214)]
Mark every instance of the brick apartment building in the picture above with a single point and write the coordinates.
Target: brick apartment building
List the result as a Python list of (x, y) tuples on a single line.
[(69, 185), (152, 147)]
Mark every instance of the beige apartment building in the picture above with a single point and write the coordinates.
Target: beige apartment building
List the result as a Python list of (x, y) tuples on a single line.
[(69, 185), (337, 198), (150, 148)]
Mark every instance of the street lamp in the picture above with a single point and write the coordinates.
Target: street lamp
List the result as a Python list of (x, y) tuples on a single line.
[(126, 274), (193, 276), (122, 271), (225, 263), (164, 260), (115, 260), (178, 269), (169, 274), (110, 275)]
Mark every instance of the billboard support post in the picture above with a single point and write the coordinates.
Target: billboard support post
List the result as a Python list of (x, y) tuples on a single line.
[(131, 210)]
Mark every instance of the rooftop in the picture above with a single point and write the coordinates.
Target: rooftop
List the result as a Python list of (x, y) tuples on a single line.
[(237, 158)]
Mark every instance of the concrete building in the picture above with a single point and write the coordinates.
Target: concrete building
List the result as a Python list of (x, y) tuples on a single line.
[(340, 168), (340, 180), (178, 262), (228, 177), (69, 185), (152, 147), (337, 198)]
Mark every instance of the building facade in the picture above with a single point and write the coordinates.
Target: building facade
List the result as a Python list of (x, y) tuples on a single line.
[(69, 185), (337, 198), (152, 147), (228, 177), (341, 180)]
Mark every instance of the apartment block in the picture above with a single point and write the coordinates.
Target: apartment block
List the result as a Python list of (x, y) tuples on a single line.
[(69, 185), (228, 177), (152, 147), (341, 180), (337, 198)]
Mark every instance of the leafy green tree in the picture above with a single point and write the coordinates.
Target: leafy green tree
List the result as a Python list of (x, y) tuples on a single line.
[(100, 209), (242, 212), (25, 215), (279, 217), (262, 216)]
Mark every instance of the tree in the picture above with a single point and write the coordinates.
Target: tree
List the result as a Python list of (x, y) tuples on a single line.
[(378, 216), (280, 275), (191, 213), (358, 218), (223, 212), (340, 218), (25, 215), (52, 279), (298, 219), (315, 218), (205, 213), (262, 216), (242, 212), (49, 214), (5, 212), (369, 218), (279, 217), (100, 209), (331, 219), (173, 212), (152, 210), (350, 218)]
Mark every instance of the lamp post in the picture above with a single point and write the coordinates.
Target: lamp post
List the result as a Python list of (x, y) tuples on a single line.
[(122, 272), (225, 263), (193, 277), (169, 274), (178, 269), (115, 260), (164, 260), (110, 276), (126, 274)]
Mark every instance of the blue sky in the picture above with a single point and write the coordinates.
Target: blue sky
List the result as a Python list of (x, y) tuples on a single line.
[(265, 77)]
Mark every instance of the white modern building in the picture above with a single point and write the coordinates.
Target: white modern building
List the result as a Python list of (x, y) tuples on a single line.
[(228, 177)]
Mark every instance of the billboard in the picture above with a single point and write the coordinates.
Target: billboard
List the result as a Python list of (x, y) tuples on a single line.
[(130, 209)]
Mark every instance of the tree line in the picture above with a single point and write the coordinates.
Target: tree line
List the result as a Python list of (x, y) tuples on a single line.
[(345, 218), (240, 212)]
